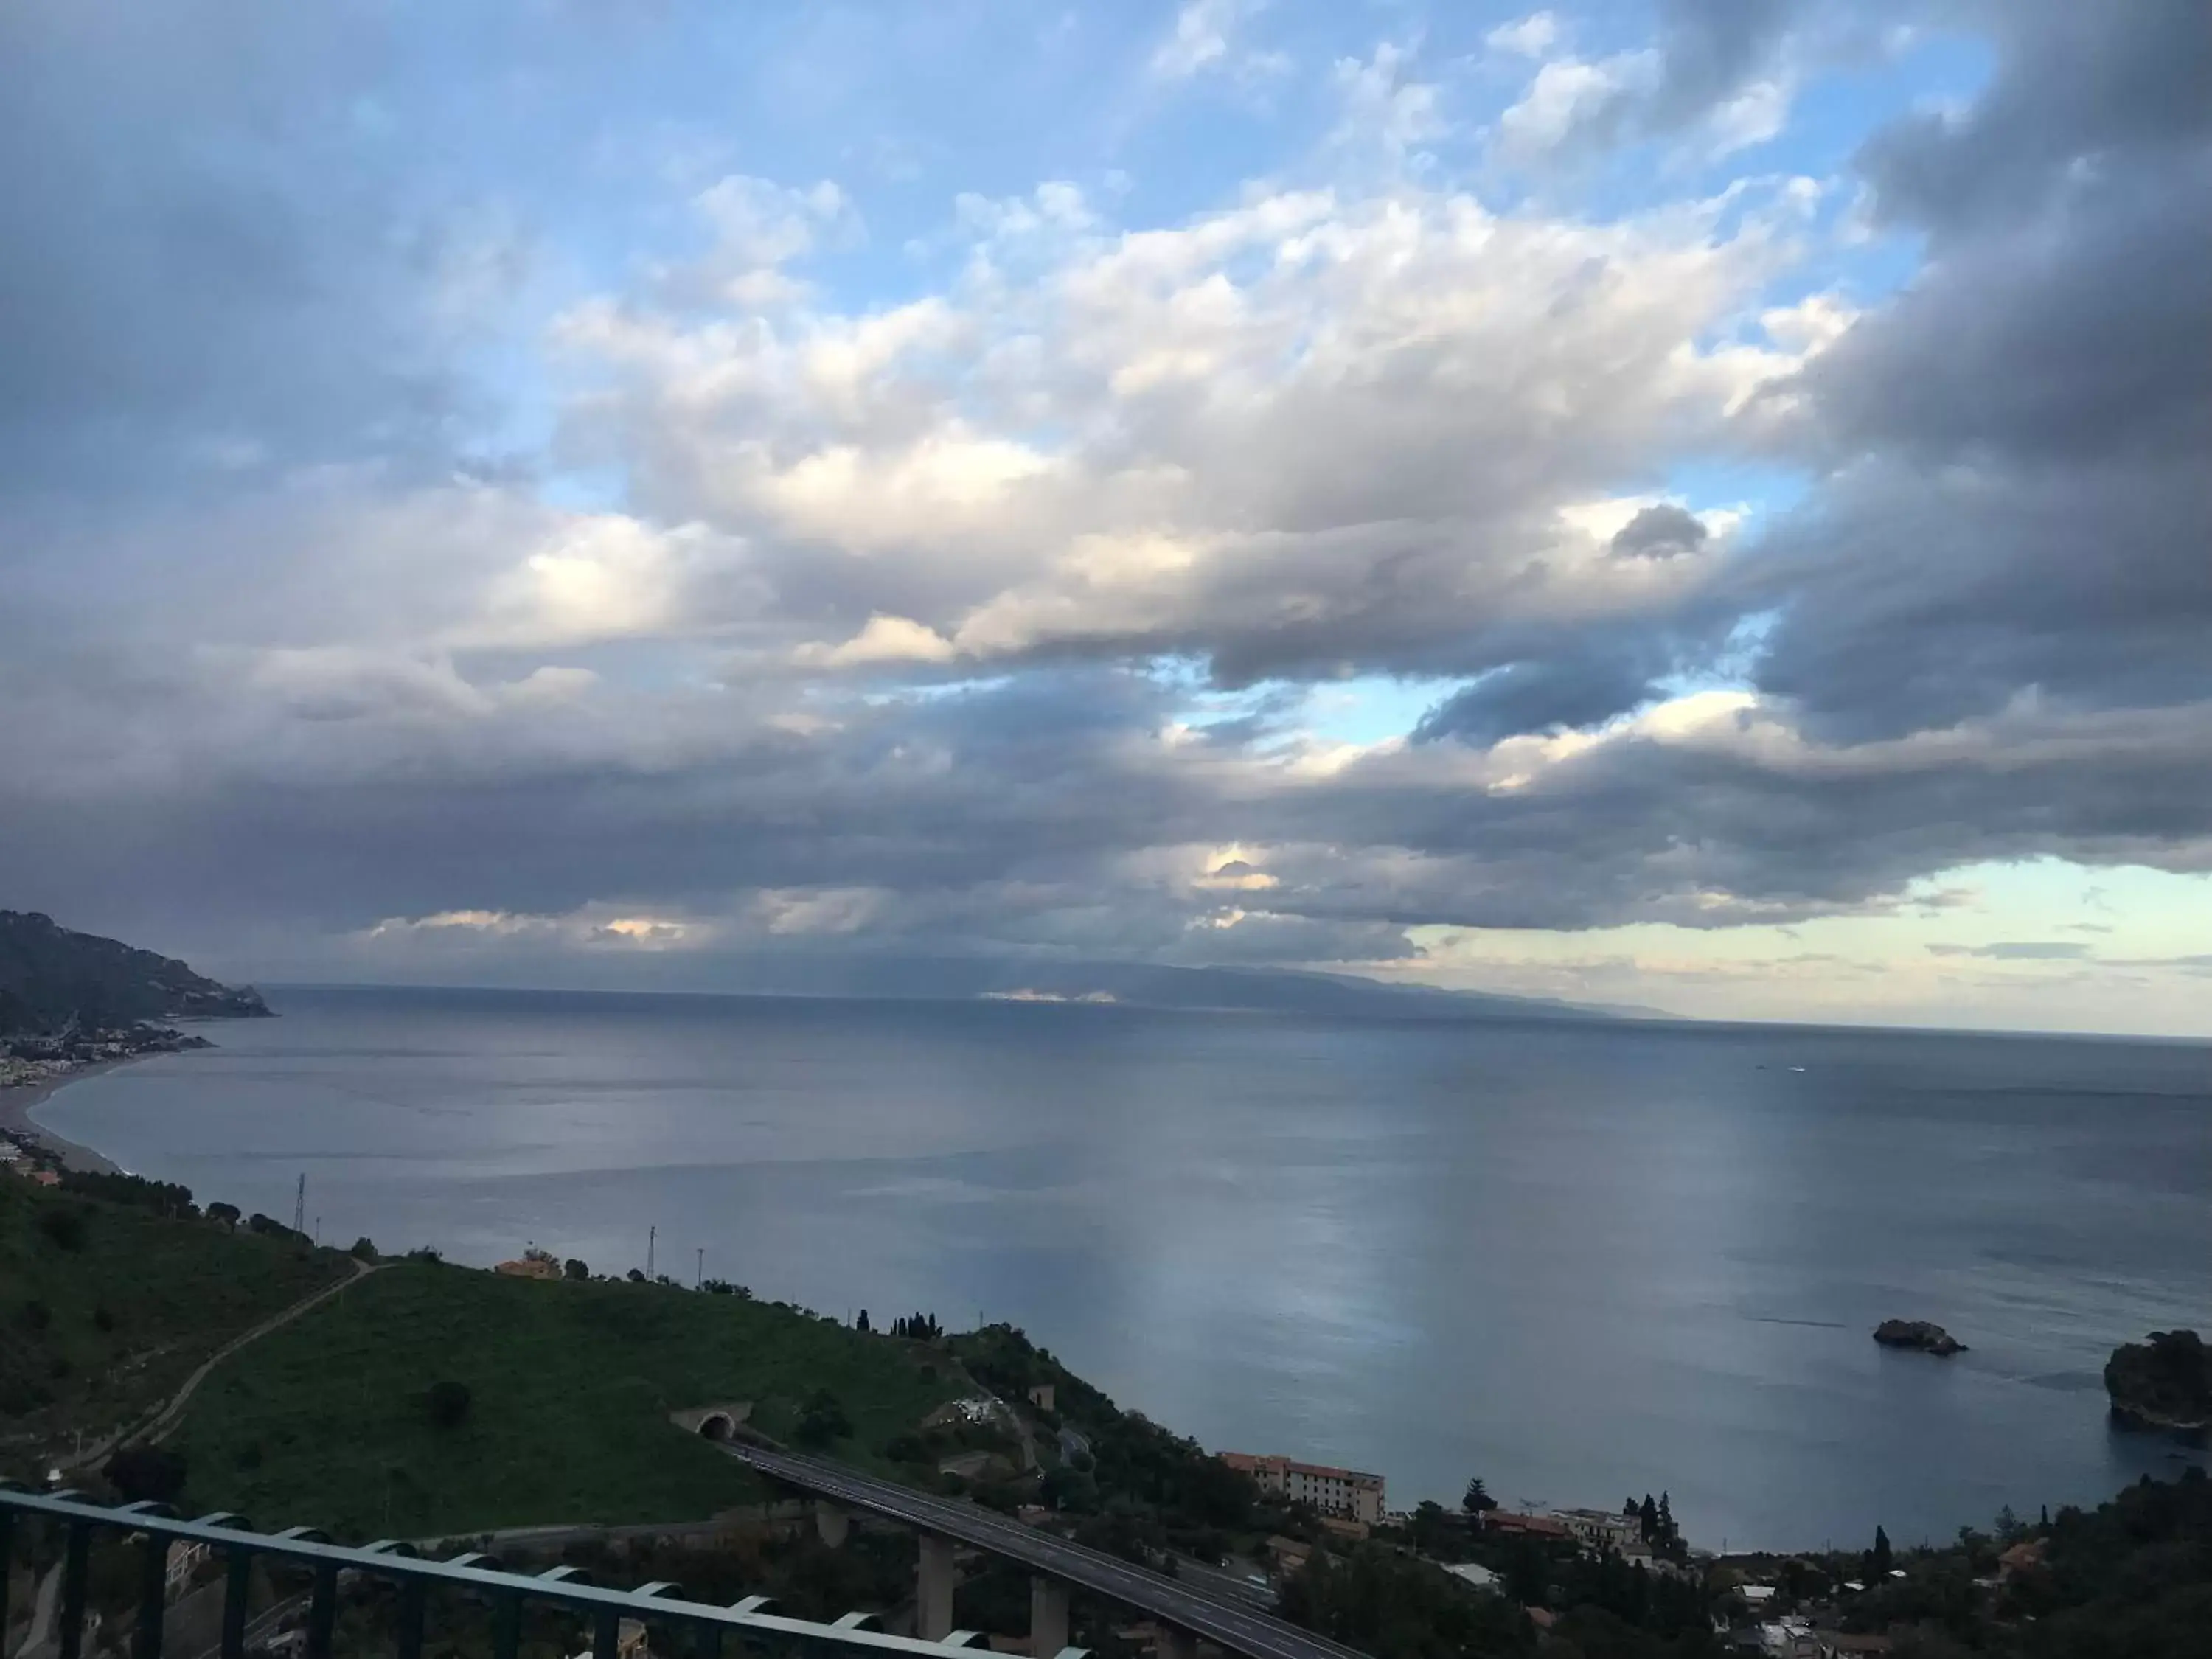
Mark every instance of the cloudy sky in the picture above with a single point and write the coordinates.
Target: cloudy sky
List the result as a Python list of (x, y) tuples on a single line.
[(1702, 505)]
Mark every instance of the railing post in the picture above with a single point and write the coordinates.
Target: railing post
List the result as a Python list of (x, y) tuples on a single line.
[(322, 1610), (73, 1571), (237, 1591), (606, 1633), (507, 1626), (7, 1542), (408, 1636), (153, 1597)]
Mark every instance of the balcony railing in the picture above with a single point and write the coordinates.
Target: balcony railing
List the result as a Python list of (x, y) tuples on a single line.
[(750, 1624)]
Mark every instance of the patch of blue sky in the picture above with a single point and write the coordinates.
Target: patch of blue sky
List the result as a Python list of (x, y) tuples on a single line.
[(1370, 709), (1733, 668), (922, 692), (1761, 488)]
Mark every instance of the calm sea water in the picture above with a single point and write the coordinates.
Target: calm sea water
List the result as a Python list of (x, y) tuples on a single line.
[(1581, 1260)]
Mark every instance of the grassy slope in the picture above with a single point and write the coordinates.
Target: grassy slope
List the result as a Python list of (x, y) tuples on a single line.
[(323, 1424), (175, 1291)]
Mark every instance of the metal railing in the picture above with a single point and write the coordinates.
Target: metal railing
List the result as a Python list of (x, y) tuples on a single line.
[(155, 1530)]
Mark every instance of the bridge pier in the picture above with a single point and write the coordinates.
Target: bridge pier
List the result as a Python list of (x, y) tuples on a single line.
[(1048, 1617), (933, 1579), (1174, 1644), (832, 1523)]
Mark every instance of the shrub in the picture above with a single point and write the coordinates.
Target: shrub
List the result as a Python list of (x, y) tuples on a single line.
[(574, 1268), (64, 1227), (102, 1319), (146, 1473), (364, 1248), (448, 1404), (36, 1314), (822, 1420)]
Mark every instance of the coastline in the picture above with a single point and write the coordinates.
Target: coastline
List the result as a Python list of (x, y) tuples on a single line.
[(16, 1103)]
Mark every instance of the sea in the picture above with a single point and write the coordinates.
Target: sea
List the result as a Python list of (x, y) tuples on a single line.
[(1583, 1260)]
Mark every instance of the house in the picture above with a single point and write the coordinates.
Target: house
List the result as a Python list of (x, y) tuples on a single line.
[(1603, 1530), (1288, 1555), (1843, 1644), (1475, 1573), (2022, 1557), (530, 1267), (46, 1177), (1343, 1527), (1526, 1526), (1784, 1639), (1041, 1396), (1347, 1492)]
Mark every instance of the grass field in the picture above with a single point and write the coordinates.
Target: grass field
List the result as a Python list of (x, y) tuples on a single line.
[(105, 1309), (326, 1423)]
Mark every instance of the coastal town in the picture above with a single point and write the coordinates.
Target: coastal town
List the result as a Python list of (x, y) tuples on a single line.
[(30, 1059)]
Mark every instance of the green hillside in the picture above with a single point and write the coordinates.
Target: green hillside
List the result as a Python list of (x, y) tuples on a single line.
[(50, 976), (329, 1421), (105, 1308)]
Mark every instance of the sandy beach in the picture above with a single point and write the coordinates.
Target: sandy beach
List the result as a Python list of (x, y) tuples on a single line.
[(15, 1105)]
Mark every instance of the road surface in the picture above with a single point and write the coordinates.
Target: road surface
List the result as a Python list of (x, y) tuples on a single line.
[(1217, 1618)]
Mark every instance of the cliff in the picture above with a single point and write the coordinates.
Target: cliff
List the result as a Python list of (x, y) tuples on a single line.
[(2165, 1382), (51, 976)]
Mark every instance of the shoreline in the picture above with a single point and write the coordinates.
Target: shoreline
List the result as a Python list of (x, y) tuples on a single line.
[(16, 1105)]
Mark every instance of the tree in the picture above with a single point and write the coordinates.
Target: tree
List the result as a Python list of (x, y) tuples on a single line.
[(822, 1420), (225, 1214), (861, 1323), (364, 1248), (1881, 1559), (1432, 1528), (448, 1404), (1647, 1517), (1667, 1535), (146, 1474), (574, 1268), (1477, 1500)]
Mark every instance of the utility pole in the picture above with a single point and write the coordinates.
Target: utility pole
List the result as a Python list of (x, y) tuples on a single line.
[(300, 1205), (699, 1278), (650, 1235)]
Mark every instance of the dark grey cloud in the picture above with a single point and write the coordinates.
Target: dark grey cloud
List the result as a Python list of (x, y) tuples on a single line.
[(270, 682), (211, 267), (1581, 687), (1660, 531), (2018, 506), (2083, 97)]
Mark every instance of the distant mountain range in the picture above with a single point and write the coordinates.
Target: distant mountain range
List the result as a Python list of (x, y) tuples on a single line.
[(51, 977), (1138, 984)]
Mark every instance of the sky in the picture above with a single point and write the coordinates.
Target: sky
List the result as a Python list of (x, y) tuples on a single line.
[(1699, 505)]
